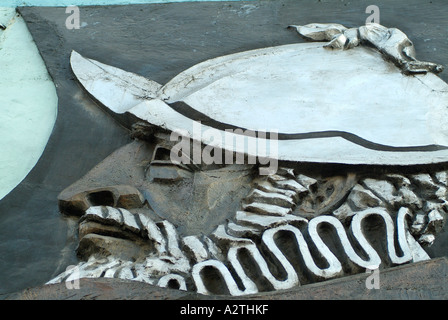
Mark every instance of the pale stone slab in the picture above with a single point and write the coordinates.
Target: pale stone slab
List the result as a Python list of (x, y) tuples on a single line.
[(115, 88), (313, 89), (328, 106)]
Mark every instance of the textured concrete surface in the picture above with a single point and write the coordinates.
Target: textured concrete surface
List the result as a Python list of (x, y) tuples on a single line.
[(157, 41)]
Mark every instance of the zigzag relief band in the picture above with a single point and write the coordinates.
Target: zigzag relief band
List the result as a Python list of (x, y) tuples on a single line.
[(266, 247), (334, 268)]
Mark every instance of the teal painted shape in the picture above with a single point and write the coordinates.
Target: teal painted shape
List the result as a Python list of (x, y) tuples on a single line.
[(65, 3)]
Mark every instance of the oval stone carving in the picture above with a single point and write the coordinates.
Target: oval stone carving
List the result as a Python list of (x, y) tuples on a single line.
[(326, 106)]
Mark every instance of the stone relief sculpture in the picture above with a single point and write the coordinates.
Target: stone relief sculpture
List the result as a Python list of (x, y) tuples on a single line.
[(239, 229)]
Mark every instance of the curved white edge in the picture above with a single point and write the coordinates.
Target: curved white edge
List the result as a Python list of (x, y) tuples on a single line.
[(28, 99), (335, 150)]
